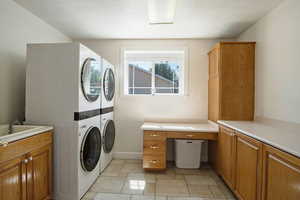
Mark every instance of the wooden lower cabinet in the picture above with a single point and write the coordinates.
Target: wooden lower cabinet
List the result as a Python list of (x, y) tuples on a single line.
[(155, 142), (154, 150), (226, 155), (26, 169), (281, 175), (255, 170), (248, 168)]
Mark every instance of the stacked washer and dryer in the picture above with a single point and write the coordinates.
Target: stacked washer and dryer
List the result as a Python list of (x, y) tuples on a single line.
[(107, 108), (64, 83)]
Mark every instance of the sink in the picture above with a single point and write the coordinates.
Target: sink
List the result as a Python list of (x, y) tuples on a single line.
[(4, 129), (19, 132), (20, 128)]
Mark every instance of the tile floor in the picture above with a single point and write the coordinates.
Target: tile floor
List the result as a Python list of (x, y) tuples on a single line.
[(126, 180)]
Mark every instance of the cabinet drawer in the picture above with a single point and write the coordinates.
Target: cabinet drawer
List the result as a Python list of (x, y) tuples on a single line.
[(154, 161), (154, 135), (193, 135), (154, 146)]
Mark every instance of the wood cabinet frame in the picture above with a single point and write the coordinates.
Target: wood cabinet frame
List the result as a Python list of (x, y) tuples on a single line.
[(32, 159)]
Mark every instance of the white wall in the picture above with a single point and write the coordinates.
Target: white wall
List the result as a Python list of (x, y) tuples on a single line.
[(18, 27), (131, 111), (278, 62)]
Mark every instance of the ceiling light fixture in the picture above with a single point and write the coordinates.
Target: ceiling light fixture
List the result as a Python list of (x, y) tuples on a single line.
[(161, 11)]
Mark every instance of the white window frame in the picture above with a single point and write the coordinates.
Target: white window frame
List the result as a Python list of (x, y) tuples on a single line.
[(153, 56)]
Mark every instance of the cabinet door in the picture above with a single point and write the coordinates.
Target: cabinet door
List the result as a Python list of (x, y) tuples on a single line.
[(213, 99), (39, 173), (281, 175), (226, 150), (248, 168), (237, 81), (213, 85), (214, 59), (13, 179)]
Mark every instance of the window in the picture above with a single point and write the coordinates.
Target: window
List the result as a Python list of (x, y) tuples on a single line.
[(154, 72)]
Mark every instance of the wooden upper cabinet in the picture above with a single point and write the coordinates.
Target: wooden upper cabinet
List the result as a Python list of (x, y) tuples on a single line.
[(281, 175), (231, 81), (226, 159), (248, 168)]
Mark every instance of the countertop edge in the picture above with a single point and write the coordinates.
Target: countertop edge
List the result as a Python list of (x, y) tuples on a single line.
[(266, 141), (199, 130), (21, 136), (180, 130)]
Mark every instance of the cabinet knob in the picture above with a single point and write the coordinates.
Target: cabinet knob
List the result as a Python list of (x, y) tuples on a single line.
[(3, 143), (25, 161), (30, 158)]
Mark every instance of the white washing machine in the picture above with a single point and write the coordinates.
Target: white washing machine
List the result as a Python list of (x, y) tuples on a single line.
[(108, 139), (108, 84), (63, 89), (90, 149)]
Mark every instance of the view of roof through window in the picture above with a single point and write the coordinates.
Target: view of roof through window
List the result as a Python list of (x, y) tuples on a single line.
[(154, 72)]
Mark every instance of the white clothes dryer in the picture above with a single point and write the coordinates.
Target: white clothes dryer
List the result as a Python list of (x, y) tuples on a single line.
[(108, 139), (108, 84)]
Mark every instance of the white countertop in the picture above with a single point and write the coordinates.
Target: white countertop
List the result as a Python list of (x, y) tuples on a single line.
[(27, 132), (279, 134), (185, 127)]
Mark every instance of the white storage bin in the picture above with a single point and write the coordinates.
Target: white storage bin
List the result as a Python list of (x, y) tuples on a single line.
[(188, 153)]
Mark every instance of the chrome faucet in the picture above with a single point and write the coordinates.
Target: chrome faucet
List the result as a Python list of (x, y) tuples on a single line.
[(11, 126)]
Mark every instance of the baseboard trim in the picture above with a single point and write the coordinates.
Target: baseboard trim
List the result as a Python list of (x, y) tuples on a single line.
[(128, 155)]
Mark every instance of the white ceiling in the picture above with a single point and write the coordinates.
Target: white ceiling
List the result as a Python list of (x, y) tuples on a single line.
[(93, 19)]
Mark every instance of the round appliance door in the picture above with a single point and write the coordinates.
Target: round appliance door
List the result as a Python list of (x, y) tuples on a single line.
[(109, 136), (91, 79), (109, 84), (90, 149)]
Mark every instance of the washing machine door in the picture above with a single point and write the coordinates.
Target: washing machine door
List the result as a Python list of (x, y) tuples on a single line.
[(91, 79), (109, 84), (90, 149), (109, 136)]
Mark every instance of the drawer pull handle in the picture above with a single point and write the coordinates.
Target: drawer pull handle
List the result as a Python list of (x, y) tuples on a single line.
[(189, 135), (3, 143), (154, 135), (25, 161), (154, 147), (153, 161)]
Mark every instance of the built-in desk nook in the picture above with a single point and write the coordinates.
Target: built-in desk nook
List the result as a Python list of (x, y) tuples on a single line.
[(156, 135)]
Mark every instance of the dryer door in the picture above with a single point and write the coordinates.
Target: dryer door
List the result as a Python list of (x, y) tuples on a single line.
[(109, 84), (90, 149), (109, 136), (91, 79)]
